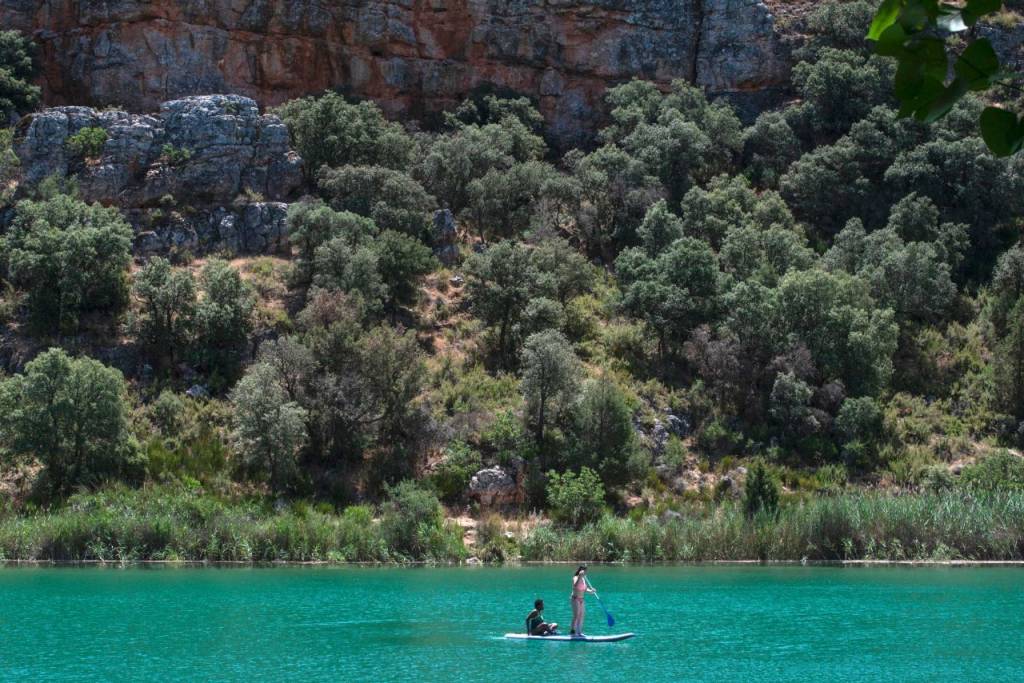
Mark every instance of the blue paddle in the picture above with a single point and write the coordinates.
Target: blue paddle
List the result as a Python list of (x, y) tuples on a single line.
[(611, 619)]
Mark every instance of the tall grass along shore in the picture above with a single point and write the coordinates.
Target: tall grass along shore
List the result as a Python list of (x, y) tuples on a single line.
[(161, 523)]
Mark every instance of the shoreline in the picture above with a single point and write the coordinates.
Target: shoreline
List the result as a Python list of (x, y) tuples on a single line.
[(282, 564)]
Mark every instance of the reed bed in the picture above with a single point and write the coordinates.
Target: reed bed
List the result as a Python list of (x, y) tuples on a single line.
[(868, 526), (124, 525), (158, 523)]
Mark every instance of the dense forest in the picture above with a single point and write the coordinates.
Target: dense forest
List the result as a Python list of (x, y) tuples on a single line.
[(691, 339)]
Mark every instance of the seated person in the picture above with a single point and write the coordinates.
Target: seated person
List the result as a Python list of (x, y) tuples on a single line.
[(535, 624)]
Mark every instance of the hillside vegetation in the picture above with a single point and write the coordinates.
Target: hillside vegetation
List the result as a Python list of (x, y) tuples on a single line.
[(694, 340)]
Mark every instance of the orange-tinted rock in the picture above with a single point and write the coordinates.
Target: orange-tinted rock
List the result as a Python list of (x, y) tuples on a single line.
[(412, 56)]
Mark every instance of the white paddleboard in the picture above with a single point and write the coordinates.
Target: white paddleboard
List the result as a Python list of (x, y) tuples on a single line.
[(572, 639)]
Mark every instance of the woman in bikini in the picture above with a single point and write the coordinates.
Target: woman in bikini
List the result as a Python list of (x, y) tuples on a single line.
[(580, 587)]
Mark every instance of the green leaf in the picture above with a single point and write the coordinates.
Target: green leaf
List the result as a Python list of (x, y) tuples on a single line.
[(941, 105), (914, 88), (891, 42), (1002, 131), (930, 53), (885, 17), (978, 65)]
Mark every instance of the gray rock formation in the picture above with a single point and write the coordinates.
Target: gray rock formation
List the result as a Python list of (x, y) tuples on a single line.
[(257, 228), (444, 237), (206, 150), (193, 177), (493, 486)]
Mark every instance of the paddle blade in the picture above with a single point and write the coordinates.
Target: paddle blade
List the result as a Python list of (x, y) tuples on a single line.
[(611, 620)]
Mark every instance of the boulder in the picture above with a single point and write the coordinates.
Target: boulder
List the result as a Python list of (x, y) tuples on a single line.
[(680, 426), (197, 391), (494, 486)]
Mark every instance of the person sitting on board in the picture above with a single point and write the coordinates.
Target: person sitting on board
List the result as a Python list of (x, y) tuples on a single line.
[(535, 624)]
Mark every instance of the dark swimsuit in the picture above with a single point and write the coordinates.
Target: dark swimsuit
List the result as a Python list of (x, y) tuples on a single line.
[(533, 622)]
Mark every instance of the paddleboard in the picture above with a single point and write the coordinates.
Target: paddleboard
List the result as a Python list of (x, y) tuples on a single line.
[(572, 639)]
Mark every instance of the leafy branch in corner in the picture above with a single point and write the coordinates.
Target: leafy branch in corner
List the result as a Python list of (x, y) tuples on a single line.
[(914, 32)]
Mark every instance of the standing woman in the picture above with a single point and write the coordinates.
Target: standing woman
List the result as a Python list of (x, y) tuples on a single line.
[(580, 587)]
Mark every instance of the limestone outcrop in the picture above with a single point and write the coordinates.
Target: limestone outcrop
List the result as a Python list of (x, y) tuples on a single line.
[(494, 487), (415, 57), (204, 174), (205, 150)]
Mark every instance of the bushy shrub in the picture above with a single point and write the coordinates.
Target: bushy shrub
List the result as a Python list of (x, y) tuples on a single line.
[(999, 471), (87, 142), (328, 130), (412, 524), (451, 476), (575, 499)]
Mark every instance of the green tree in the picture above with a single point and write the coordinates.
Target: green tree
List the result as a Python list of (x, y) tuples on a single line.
[(72, 258), (679, 137), (328, 130), (401, 261), (790, 406), (1009, 363), (575, 499), (616, 190), (833, 183), (353, 269), (393, 374), (859, 426), (312, 224), (88, 142), (842, 86), (412, 521), (761, 491), (9, 166), (499, 284), (770, 147), (551, 377), (452, 161), (659, 229), (392, 199), (1000, 471), (168, 306), (673, 292), (502, 202), (1007, 287), (268, 429), (834, 317), (452, 474), (223, 319), (70, 414), (603, 434), (911, 279), (18, 67), (486, 109), (562, 272)]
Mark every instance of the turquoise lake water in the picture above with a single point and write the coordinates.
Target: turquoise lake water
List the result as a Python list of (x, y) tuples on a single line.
[(372, 624)]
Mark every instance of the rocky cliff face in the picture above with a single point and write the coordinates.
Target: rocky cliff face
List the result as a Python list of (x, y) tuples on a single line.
[(413, 56), (195, 176)]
